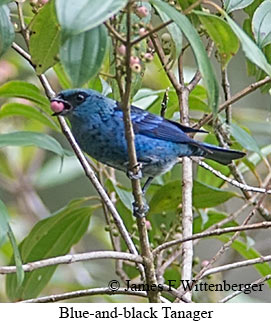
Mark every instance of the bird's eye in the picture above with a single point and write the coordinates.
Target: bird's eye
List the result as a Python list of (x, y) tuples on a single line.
[(80, 98)]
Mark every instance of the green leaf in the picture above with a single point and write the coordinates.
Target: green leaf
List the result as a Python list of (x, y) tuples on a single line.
[(20, 89), (249, 253), (169, 197), (76, 17), (231, 5), (202, 59), (6, 231), (17, 257), (6, 30), (224, 38), (261, 25), (214, 217), (12, 109), (251, 50), (4, 2), (45, 38), (82, 55), (4, 222), (244, 138), (50, 237), (28, 138)]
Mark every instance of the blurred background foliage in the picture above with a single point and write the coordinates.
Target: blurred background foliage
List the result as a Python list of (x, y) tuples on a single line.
[(40, 176)]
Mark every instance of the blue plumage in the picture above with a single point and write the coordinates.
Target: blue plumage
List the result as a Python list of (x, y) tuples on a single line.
[(97, 124)]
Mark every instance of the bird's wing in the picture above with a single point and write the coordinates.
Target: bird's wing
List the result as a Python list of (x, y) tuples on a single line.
[(154, 126)]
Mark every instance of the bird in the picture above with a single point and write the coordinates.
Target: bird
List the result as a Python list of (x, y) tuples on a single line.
[(98, 127)]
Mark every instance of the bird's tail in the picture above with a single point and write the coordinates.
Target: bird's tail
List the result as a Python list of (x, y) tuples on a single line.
[(221, 155)]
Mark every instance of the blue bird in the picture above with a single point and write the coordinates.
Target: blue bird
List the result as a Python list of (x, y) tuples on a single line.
[(97, 125)]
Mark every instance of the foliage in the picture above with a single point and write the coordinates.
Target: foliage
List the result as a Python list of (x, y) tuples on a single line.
[(83, 44)]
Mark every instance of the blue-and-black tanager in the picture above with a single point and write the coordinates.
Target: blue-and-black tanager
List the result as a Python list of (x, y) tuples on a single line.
[(97, 125)]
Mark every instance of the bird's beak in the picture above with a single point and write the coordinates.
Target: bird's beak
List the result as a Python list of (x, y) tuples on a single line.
[(60, 106)]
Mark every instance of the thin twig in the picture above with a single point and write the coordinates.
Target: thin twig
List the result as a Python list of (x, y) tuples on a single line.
[(134, 168), (217, 232), (69, 259), (236, 265), (256, 282), (231, 180), (252, 87)]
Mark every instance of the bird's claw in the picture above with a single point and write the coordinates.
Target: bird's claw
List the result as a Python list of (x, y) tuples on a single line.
[(135, 173), (140, 211)]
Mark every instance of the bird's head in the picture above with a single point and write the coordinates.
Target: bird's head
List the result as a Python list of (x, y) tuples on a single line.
[(68, 102)]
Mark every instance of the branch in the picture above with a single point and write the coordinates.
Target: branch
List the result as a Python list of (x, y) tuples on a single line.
[(252, 87), (236, 265), (69, 259), (134, 169), (232, 181), (256, 282), (217, 232), (83, 293)]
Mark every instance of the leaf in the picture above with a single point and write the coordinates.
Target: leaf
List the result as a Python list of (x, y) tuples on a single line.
[(261, 25), (76, 17), (249, 253), (28, 138), (45, 38), (50, 237), (6, 231), (213, 218), (12, 109), (202, 59), (244, 138), (231, 5), (224, 38), (4, 222), (20, 89), (6, 30), (82, 55), (174, 30), (169, 197), (251, 50)]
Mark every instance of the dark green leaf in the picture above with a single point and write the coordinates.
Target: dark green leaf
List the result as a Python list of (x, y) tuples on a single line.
[(169, 197), (82, 55), (231, 5), (20, 89), (261, 24), (251, 50), (45, 38), (224, 38), (76, 17), (28, 138), (18, 109), (6, 30), (202, 59), (50, 237)]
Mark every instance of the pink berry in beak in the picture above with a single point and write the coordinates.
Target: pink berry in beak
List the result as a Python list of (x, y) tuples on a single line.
[(57, 106)]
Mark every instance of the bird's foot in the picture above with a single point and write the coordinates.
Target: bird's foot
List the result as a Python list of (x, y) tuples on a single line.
[(135, 173), (140, 211)]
